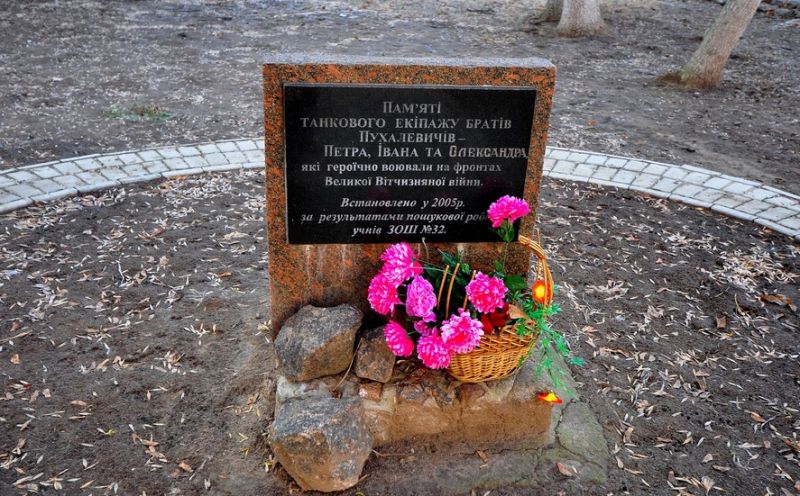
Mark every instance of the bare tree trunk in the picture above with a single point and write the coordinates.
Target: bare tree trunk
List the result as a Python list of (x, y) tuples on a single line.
[(552, 10), (704, 69), (581, 18)]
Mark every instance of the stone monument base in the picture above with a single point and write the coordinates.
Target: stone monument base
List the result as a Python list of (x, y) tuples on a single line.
[(421, 407), (428, 406)]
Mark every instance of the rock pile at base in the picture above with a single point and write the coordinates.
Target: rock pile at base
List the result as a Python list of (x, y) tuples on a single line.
[(374, 359), (316, 342), (328, 418), (321, 442)]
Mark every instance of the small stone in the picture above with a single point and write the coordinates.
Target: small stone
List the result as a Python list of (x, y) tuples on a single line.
[(467, 393), (347, 389), (316, 342), (413, 394), (370, 391), (287, 390), (321, 442), (444, 396), (374, 359)]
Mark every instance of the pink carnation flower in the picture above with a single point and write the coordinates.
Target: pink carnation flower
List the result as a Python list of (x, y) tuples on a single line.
[(461, 333), (420, 299), (382, 294), (423, 328), (507, 207), (397, 339), (433, 352), (399, 263), (486, 293)]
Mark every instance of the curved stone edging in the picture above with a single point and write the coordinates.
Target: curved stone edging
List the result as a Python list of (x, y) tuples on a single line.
[(737, 197)]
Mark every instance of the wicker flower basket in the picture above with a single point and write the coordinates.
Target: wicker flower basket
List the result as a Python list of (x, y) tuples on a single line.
[(500, 355)]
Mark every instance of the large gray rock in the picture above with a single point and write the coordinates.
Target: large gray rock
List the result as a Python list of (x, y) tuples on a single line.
[(374, 359), (321, 442), (316, 342), (580, 433)]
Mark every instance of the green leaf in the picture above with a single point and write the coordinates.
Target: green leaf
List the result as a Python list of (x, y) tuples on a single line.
[(515, 282), (506, 231), (432, 273), (498, 268), (449, 258)]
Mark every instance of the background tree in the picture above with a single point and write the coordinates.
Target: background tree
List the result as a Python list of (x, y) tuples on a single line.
[(552, 10), (704, 69), (580, 18)]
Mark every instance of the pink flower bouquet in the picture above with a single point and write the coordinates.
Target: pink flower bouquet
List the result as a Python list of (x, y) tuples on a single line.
[(409, 290)]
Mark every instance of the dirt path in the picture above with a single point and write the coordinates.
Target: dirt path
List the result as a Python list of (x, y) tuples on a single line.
[(70, 73)]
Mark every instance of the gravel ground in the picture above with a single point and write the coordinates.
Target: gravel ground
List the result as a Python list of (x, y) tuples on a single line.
[(89, 76), (134, 355)]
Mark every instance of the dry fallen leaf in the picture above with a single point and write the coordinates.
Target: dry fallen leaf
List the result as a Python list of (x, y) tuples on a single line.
[(565, 469), (20, 445), (186, 467), (482, 455), (722, 321), (671, 478), (626, 437), (779, 299), (708, 483), (15, 359), (514, 312), (795, 445)]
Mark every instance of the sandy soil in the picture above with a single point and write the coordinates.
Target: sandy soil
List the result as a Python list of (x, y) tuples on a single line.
[(70, 73), (134, 355)]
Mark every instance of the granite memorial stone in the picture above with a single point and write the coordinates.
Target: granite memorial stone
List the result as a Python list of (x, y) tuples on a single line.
[(363, 152)]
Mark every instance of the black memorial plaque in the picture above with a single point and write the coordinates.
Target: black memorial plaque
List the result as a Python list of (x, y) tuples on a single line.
[(388, 163)]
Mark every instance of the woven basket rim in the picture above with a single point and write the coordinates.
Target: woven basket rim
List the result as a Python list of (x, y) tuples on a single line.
[(482, 364)]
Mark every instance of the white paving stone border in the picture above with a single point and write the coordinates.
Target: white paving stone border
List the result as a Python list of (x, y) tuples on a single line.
[(737, 197)]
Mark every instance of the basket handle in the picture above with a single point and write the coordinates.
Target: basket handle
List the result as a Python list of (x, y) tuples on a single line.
[(542, 269), (542, 273)]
